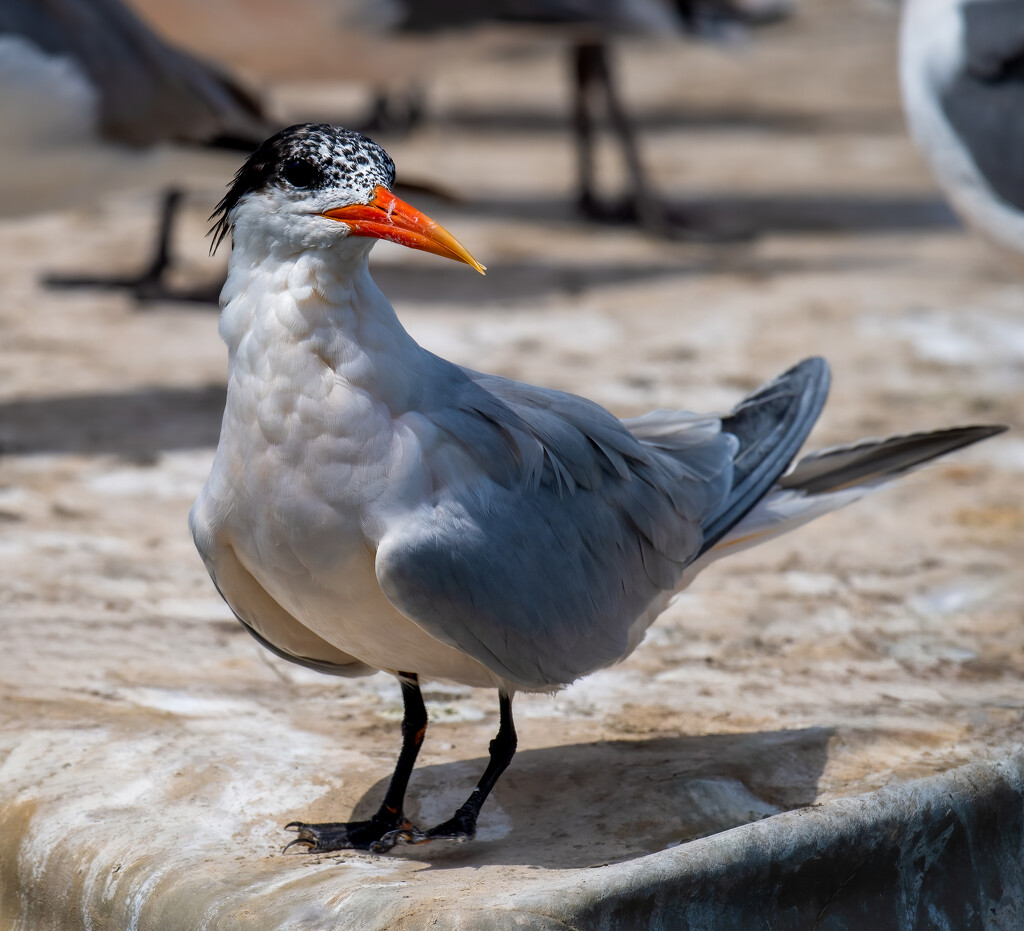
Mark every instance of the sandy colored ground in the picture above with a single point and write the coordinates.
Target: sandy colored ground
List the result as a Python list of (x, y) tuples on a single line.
[(150, 752)]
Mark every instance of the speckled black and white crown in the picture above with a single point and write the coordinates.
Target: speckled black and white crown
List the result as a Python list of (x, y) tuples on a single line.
[(304, 159)]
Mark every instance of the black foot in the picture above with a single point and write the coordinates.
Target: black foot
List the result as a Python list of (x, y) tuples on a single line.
[(345, 835), (622, 211), (651, 216), (394, 114), (150, 284), (665, 221), (459, 829)]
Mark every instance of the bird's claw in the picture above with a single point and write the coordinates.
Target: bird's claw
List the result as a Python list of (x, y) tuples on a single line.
[(307, 838), (384, 844), (412, 835), (353, 835)]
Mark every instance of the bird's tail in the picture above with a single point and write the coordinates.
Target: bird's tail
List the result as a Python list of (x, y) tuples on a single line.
[(828, 479), (771, 425)]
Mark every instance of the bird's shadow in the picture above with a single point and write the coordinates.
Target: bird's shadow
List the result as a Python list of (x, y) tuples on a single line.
[(593, 803), (662, 119), (136, 425), (511, 284), (726, 226), (725, 216), (721, 219)]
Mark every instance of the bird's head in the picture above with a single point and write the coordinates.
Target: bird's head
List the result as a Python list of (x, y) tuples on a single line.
[(312, 185)]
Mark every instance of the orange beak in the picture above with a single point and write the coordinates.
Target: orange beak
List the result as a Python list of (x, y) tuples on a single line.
[(387, 217)]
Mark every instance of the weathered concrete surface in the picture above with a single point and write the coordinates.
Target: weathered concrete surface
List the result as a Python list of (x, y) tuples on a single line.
[(150, 752), (945, 852)]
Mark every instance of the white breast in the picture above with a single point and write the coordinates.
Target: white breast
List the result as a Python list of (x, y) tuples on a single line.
[(315, 451)]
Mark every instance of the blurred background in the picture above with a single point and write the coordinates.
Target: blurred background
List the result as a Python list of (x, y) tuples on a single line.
[(710, 122), (751, 196)]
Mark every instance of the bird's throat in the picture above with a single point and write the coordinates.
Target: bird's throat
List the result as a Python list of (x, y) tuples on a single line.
[(319, 313)]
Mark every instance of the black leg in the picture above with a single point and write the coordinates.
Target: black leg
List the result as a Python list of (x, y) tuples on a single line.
[(641, 201), (395, 112), (150, 284), (462, 825), (583, 75), (593, 74), (414, 729), (362, 835)]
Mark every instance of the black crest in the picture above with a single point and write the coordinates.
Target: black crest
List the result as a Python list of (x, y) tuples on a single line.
[(308, 156)]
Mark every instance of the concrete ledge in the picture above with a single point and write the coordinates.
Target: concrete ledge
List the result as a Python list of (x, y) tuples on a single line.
[(943, 852)]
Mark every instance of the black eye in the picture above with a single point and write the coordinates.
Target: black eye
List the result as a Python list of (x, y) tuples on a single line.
[(300, 174)]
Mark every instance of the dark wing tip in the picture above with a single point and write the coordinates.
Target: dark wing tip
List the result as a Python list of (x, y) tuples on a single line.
[(873, 459)]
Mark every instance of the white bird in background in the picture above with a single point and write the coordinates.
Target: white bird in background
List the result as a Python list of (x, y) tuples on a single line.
[(92, 101), (962, 75), (374, 507)]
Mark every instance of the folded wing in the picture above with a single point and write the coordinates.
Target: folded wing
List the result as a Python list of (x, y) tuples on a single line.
[(538, 567)]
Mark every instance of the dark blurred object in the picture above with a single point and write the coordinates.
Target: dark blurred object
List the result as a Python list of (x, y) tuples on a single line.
[(610, 18), (147, 90), (590, 25), (962, 73), (91, 73)]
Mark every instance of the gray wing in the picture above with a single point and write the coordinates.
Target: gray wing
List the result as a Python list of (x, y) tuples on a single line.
[(984, 102), (539, 568)]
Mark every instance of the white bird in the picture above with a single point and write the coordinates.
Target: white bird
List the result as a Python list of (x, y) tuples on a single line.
[(374, 507), (92, 101), (962, 76)]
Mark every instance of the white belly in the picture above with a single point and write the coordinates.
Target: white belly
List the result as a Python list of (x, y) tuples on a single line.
[(346, 608), (301, 508)]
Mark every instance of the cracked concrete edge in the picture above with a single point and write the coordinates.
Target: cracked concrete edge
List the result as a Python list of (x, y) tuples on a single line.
[(942, 852)]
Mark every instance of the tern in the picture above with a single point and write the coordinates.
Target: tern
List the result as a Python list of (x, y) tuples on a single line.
[(372, 506), (962, 77)]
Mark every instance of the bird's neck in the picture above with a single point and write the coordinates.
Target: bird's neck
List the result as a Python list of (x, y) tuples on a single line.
[(286, 313)]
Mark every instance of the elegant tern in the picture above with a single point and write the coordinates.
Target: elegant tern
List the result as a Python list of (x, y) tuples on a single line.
[(374, 507)]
